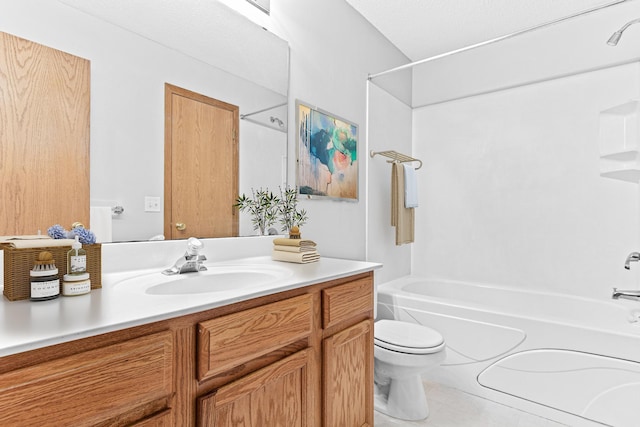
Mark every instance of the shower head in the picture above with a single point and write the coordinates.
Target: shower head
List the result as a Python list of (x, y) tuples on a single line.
[(615, 37), (277, 120)]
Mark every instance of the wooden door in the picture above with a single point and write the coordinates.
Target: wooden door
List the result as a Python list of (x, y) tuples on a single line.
[(201, 165), (44, 137), (275, 396), (348, 377)]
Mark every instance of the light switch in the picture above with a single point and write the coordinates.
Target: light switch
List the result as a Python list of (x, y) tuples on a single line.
[(151, 204)]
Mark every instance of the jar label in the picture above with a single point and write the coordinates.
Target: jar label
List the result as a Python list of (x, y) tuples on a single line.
[(76, 288), (45, 289), (77, 264)]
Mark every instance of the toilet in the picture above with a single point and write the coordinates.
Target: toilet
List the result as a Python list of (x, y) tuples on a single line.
[(402, 352)]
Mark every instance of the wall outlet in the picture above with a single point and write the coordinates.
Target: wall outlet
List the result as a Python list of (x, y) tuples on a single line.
[(151, 204)]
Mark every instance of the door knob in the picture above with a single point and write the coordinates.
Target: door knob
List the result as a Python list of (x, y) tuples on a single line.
[(181, 226)]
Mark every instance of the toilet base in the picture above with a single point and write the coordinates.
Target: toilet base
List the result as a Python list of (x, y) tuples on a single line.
[(402, 398)]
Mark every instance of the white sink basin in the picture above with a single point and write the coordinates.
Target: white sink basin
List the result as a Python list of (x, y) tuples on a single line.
[(219, 278)]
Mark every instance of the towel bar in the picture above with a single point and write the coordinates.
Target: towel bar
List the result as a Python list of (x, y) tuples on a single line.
[(396, 157)]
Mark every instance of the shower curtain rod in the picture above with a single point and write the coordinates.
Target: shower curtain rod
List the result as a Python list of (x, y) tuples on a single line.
[(494, 40)]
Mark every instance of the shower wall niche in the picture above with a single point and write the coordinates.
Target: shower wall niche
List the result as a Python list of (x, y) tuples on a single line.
[(618, 141)]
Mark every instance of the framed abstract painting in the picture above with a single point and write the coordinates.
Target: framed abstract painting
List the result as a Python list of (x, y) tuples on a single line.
[(327, 154)]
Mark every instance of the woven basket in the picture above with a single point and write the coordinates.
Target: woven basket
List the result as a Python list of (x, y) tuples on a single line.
[(18, 262)]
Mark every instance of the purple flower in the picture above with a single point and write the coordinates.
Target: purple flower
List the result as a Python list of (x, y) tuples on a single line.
[(57, 232), (86, 237)]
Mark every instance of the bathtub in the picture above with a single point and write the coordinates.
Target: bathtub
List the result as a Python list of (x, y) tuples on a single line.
[(570, 359)]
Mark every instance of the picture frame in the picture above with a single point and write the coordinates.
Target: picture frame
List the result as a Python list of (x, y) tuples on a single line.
[(327, 163)]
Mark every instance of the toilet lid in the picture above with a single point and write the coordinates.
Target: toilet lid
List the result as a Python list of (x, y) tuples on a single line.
[(406, 337)]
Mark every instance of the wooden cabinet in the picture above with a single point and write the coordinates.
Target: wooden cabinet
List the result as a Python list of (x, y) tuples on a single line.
[(303, 357), (348, 355), (237, 338), (337, 351), (348, 377), (112, 385), (341, 304), (163, 419), (276, 395)]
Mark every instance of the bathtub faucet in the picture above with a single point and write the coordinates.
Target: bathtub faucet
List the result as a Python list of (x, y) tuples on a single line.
[(633, 295), (633, 256)]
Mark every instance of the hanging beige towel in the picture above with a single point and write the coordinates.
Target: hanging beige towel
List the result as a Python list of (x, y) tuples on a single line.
[(402, 218), (300, 258)]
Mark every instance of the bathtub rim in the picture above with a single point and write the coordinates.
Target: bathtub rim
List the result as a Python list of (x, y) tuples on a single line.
[(625, 307)]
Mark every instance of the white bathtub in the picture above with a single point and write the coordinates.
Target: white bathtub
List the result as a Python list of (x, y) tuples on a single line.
[(574, 360)]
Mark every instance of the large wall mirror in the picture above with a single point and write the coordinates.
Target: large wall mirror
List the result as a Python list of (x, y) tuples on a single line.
[(135, 48)]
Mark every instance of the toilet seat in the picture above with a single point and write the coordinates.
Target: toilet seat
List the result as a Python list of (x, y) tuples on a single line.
[(405, 337)]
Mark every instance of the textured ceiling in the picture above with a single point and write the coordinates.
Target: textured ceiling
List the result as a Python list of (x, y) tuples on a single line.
[(423, 28)]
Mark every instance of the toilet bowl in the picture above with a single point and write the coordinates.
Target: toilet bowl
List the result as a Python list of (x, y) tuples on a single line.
[(402, 352)]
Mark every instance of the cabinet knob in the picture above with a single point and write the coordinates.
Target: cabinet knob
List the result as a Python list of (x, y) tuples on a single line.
[(181, 226)]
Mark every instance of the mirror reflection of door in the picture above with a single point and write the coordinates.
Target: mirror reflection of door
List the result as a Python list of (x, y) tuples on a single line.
[(44, 137), (201, 165)]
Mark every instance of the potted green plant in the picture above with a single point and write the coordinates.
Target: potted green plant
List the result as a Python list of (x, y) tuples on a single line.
[(262, 206), (288, 208)]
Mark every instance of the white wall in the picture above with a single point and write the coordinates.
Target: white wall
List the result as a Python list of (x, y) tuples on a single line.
[(333, 49), (389, 129), (511, 193), (263, 165)]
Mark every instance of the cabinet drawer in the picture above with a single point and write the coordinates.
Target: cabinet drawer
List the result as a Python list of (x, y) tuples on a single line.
[(231, 340), (342, 302), (92, 387)]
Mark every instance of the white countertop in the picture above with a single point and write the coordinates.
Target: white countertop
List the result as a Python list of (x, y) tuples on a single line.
[(28, 325)]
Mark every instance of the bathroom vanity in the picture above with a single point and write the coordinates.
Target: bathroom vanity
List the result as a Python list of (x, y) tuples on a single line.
[(295, 351)]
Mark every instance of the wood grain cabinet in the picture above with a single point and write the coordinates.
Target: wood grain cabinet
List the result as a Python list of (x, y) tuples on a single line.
[(301, 358), (348, 355), (276, 395), (232, 340), (113, 385)]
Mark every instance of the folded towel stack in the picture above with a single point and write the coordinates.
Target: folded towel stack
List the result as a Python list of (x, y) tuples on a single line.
[(34, 241), (294, 250)]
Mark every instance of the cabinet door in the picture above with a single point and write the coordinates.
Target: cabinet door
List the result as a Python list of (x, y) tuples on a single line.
[(348, 377), (93, 387), (275, 396)]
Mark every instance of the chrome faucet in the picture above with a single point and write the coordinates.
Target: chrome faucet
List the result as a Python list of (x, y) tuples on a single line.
[(633, 257), (633, 295), (191, 261)]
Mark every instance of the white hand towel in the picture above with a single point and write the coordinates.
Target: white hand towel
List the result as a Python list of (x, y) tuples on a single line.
[(410, 188), (101, 223)]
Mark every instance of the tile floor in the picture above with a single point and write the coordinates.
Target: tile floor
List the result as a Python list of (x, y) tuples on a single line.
[(453, 408)]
